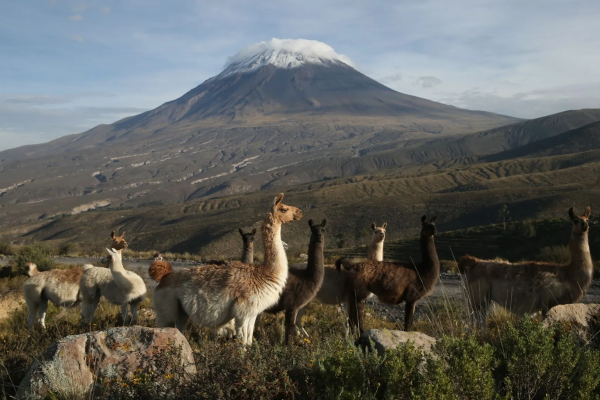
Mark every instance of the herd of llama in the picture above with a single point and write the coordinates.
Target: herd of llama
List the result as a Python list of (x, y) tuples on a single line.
[(228, 297)]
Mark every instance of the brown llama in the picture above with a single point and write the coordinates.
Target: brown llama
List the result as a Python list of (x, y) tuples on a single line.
[(529, 287), (248, 247), (375, 250), (394, 282), (213, 295), (302, 284)]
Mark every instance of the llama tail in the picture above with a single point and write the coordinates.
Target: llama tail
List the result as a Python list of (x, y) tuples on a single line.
[(87, 266), (465, 263), (159, 269), (343, 262), (32, 269)]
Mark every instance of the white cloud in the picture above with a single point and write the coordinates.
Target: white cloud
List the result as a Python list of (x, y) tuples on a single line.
[(77, 38), (105, 10), (307, 48), (76, 17), (428, 81)]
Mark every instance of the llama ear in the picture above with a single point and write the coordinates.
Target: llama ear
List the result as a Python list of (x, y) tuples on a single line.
[(373, 226), (122, 235), (424, 218), (310, 223), (572, 213), (323, 223), (587, 212), (241, 232), (112, 235), (278, 199), (432, 220), (384, 225), (253, 231)]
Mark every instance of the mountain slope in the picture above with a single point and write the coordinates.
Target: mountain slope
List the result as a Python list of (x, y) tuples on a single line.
[(281, 113)]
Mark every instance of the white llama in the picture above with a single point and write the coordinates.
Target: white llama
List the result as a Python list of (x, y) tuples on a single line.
[(213, 295), (116, 284)]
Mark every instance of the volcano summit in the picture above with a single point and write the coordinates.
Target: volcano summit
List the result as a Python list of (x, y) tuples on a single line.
[(282, 112)]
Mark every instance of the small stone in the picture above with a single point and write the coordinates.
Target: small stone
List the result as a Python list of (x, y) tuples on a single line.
[(385, 339)]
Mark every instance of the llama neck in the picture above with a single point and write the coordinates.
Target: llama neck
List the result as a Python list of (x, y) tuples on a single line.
[(275, 257), (119, 275), (376, 251), (430, 264), (316, 264), (581, 259), (248, 255)]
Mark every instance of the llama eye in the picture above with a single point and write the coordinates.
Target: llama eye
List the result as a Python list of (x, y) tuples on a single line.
[(283, 209)]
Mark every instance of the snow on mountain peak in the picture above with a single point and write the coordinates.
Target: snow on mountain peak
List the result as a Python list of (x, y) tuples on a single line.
[(283, 53)]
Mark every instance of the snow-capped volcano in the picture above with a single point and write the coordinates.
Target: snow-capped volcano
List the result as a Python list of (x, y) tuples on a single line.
[(283, 53)]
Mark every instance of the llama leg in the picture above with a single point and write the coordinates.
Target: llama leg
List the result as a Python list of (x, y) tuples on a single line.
[(250, 332), (124, 313), (86, 311), (42, 312), (94, 307), (355, 314), (134, 312), (409, 313), (182, 319), (299, 322), (32, 309), (290, 325)]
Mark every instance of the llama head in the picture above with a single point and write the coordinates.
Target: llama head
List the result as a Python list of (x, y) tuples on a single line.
[(317, 232), (248, 238), (284, 213), (113, 257), (581, 224), (428, 227), (118, 242), (378, 233)]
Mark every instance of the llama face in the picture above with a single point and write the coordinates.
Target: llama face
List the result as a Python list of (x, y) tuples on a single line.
[(581, 224), (428, 227), (317, 231), (284, 213), (378, 233), (118, 242), (248, 239)]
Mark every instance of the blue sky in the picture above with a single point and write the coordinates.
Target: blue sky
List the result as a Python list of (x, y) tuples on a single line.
[(66, 66)]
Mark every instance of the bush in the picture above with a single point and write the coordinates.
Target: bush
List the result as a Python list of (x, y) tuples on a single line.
[(554, 254), (68, 249), (449, 265), (533, 364), (36, 253), (7, 249), (524, 229)]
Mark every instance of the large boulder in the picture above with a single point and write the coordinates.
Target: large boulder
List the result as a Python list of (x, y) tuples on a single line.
[(580, 318), (71, 367), (385, 339)]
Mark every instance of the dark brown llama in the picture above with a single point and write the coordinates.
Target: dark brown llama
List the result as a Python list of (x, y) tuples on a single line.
[(302, 284), (248, 248), (393, 282)]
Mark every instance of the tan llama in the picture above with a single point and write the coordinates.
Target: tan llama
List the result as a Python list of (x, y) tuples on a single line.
[(394, 282), (213, 295), (528, 287), (375, 251), (116, 284)]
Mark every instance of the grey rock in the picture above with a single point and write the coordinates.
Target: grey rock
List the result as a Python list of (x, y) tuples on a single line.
[(71, 367), (385, 339)]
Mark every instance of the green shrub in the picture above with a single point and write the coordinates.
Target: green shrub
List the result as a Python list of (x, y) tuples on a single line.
[(554, 254), (470, 366), (524, 229), (68, 249), (7, 249), (36, 253), (534, 364)]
